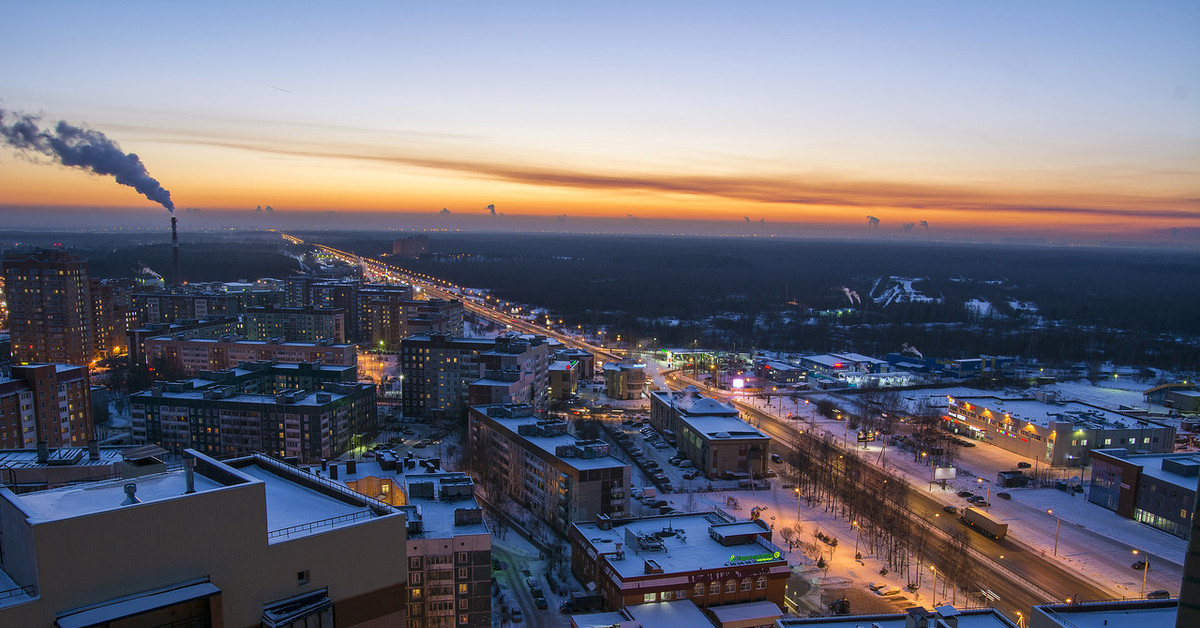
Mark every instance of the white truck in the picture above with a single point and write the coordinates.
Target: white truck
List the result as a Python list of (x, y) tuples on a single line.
[(986, 523)]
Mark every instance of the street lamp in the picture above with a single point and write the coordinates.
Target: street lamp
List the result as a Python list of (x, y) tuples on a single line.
[(854, 524), (797, 504), (934, 570), (1057, 525), (1145, 568), (987, 500)]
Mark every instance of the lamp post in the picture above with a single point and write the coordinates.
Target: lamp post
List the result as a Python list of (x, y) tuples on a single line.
[(1145, 568), (934, 570), (987, 500), (854, 524), (797, 504), (1057, 525)]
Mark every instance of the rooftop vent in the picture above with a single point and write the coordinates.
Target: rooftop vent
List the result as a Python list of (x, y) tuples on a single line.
[(131, 495)]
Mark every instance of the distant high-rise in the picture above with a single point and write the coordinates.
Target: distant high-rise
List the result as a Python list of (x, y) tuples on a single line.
[(45, 403), (411, 246), (49, 307)]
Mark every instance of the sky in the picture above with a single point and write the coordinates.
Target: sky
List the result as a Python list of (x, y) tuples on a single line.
[(1075, 120)]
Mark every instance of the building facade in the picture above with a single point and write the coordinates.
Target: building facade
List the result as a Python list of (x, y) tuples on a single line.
[(294, 324), (49, 308), (302, 411), (47, 404), (710, 433), (558, 478), (1053, 432), (624, 380), (186, 357), (1156, 489), (437, 372)]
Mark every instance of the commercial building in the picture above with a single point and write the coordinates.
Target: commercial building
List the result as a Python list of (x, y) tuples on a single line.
[(710, 433), (916, 617), (49, 307), (564, 378), (437, 372), (557, 477), (45, 403), (780, 372), (835, 365), (294, 324), (301, 411), (1155, 489), (244, 542), (175, 357), (625, 380), (710, 558), (1055, 432), (1116, 613), (586, 361), (448, 546)]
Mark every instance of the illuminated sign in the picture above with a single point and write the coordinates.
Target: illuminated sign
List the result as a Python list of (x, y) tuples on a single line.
[(754, 558), (739, 383)]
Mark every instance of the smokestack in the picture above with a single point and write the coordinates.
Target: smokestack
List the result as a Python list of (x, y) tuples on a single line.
[(43, 452), (176, 275), (93, 450)]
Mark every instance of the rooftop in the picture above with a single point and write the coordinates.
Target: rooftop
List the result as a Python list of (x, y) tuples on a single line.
[(972, 618), (547, 443), (65, 456), (674, 614), (680, 543), (94, 497), (436, 512), (1179, 469), (1141, 613), (1041, 414)]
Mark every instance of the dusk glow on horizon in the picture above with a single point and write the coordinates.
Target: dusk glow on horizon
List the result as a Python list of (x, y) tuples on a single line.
[(1079, 119)]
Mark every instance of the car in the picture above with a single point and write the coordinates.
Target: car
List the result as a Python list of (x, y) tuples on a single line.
[(875, 587), (685, 463), (667, 487), (966, 494), (975, 499), (690, 474), (497, 565), (541, 603), (982, 503), (516, 617), (950, 509), (776, 458), (1004, 495), (1159, 594), (1023, 465), (888, 592), (661, 445), (537, 592), (1139, 565)]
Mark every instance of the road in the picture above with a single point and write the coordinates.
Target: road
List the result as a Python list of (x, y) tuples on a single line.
[(1033, 580)]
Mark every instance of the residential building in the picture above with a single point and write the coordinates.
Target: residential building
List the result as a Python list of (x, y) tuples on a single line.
[(710, 433), (1054, 432), (186, 357), (564, 378), (448, 546), (557, 477), (185, 304), (437, 371), (48, 404), (27, 470), (411, 246), (625, 380), (242, 542), (211, 328), (112, 316), (709, 558), (1155, 489), (294, 324), (303, 411), (387, 316), (49, 307)]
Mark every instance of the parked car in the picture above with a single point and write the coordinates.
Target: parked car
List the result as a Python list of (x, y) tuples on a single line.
[(541, 603), (516, 616), (1023, 465), (1139, 565), (1004, 495), (685, 463), (537, 592), (497, 565), (690, 474), (966, 494), (950, 509), (661, 445), (776, 458), (1159, 594)]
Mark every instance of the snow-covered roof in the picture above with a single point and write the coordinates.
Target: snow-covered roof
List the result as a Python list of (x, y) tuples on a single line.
[(1144, 614), (550, 444), (1042, 414), (761, 610), (971, 618), (673, 614), (89, 498), (27, 458)]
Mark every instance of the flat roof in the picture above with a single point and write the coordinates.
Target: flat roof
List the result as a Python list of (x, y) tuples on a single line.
[(746, 611), (27, 458), (972, 618), (1141, 613), (549, 444), (1041, 414), (93, 497), (673, 614), (309, 399), (710, 426), (688, 547), (290, 503), (437, 516)]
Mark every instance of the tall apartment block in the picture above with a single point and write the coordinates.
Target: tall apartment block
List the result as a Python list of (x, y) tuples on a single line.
[(303, 411), (294, 324), (242, 542), (411, 246), (45, 405), (49, 307), (112, 316), (187, 357), (560, 479), (440, 373)]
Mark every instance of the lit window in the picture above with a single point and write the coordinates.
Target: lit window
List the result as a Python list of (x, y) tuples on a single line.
[(650, 597)]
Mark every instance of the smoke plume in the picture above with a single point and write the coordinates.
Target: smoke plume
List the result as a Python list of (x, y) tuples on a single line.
[(491, 208), (82, 148)]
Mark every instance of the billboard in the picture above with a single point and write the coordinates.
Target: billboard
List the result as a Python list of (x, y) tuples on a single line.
[(944, 473)]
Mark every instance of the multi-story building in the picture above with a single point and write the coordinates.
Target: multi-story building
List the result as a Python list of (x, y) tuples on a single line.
[(625, 380), (186, 357), (437, 372), (564, 377), (294, 324), (710, 433), (945, 616), (112, 316), (585, 360), (557, 477), (710, 558), (387, 316), (1053, 432), (301, 411), (213, 328), (449, 548), (243, 542), (49, 307), (1156, 489), (185, 305), (411, 246), (27, 470), (48, 404)]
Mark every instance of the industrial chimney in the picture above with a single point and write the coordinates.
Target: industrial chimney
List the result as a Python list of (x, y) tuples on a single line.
[(176, 275)]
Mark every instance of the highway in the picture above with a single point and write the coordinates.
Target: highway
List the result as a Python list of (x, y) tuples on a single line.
[(1010, 577)]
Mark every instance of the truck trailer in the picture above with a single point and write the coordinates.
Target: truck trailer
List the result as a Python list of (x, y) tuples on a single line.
[(986, 523)]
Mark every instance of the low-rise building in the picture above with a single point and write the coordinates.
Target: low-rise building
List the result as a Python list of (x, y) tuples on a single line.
[(710, 558), (710, 433), (1156, 489), (244, 542), (780, 372), (302, 411), (1053, 432), (559, 478), (173, 357), (915, 617), (564, 378), (45, 403), (27, 470), (1142, 613), (625, 380)]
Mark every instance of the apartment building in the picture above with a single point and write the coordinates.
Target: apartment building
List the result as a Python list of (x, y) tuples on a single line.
[(243, 542), (710, 433), (294, 324), (186, 357), (210, 328), (45, 403), (557, 477), (49, 307), (438, 371), (625, 380), (301, 411)]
